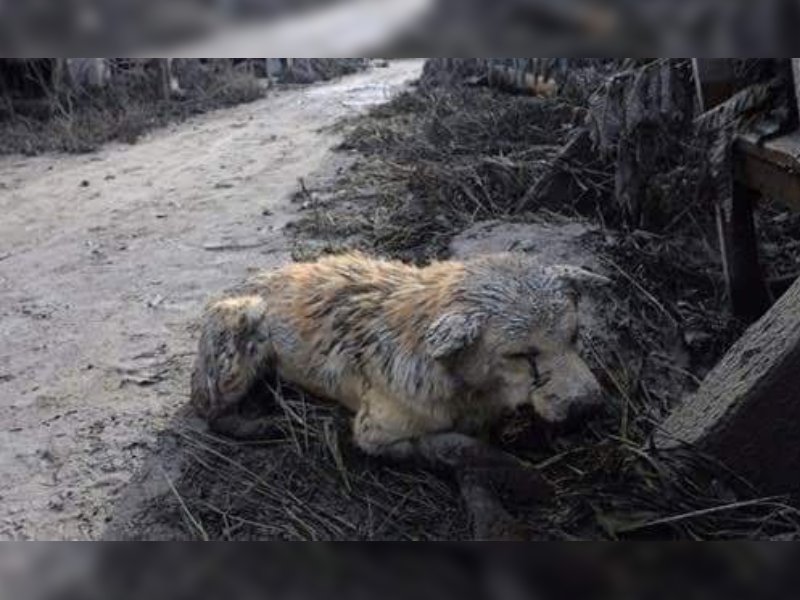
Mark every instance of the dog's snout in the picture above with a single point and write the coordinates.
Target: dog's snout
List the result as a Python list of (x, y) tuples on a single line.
[(572, 395)]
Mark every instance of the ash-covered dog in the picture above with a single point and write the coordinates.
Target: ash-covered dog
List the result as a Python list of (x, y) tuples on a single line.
[(423, 356)]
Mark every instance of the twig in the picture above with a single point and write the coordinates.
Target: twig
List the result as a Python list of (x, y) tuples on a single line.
[(643, 291), (665, 362), (697, 513), (195, 523), (221, 247)]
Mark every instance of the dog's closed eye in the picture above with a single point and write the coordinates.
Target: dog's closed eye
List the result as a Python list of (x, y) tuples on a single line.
[(531, 357)]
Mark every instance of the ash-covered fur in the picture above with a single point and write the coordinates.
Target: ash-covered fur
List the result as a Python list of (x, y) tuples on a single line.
[(412, 351)]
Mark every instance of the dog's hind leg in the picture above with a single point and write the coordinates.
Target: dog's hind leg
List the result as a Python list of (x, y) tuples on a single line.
[(235, 351)]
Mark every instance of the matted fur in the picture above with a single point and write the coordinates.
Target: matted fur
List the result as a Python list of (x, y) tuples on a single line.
[(412, 351)]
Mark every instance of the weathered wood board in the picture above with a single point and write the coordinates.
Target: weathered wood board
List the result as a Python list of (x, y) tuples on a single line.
[(747, 411)]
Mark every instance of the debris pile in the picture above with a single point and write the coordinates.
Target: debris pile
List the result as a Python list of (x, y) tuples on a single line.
[(436, 161)]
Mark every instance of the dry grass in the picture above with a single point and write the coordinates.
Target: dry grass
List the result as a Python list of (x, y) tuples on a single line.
[(435, 161), (306, 483)]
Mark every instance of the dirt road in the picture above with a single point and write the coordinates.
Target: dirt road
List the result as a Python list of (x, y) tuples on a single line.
[(105, 261)]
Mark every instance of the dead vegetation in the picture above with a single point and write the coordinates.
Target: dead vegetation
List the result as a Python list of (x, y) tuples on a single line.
[(306, 483), (310, 70), (65, 118), (436, 161), (80, 120), (426, 166)]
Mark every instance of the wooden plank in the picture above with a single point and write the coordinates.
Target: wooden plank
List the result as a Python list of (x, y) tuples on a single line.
[(772, 168), (747, 411)]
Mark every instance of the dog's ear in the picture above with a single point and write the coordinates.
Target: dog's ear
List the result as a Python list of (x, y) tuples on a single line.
[(576, 278), (452, 332)]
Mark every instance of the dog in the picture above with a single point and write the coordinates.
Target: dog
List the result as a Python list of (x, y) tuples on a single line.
[(424, 357)]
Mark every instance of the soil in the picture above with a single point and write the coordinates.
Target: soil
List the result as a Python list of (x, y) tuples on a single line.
[(105, 262)]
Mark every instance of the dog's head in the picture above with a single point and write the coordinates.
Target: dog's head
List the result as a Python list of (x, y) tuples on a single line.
[(513, 336)]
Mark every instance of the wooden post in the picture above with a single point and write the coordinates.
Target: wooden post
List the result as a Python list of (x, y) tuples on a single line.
[(796, 80), (59, 75), (714, 81), (747, 411), (163, 67), (738, 241), (747, 288)]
